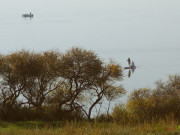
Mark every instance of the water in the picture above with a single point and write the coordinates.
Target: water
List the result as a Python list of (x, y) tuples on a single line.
[(146, 31)]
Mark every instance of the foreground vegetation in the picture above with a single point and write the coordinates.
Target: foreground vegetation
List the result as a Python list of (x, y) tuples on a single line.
[(88, 128), (147, 112), (68, 87)]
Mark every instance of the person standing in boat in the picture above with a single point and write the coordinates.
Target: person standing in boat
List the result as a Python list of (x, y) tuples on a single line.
[(129, 62), (132, 64)]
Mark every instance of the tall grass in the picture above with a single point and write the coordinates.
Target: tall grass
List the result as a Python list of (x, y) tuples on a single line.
[(162, 127)]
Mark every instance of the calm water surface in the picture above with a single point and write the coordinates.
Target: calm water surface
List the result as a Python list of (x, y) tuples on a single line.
[(147, 31)]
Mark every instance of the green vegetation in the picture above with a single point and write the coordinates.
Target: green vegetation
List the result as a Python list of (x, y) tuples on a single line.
[(88, 128), (55, 93)]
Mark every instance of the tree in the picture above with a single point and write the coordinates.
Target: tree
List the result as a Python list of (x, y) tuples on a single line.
[(87, 81), (11, 82), (31, 75), (75, 82), (141, 103), (158, 103), (167, 97)]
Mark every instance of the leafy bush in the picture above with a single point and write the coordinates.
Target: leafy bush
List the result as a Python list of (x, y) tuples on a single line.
[(145, 104)]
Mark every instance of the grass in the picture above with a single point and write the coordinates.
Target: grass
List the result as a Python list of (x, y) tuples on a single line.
[(87, 128)]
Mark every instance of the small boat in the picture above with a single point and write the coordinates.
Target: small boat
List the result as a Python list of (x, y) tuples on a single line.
[(132, 67), (131, 64), (28, 15)]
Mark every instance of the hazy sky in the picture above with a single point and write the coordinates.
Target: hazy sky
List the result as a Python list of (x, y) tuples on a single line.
[(125, 24)]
